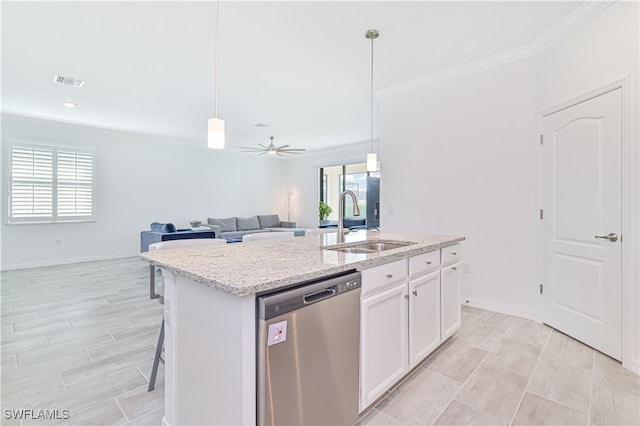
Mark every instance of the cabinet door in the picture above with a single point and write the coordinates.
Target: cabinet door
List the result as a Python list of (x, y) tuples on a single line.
[(383, 342), (424, 317), (451, 306)]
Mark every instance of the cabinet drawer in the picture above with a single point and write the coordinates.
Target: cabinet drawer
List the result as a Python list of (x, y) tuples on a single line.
[(450, 254), (379, 277), (423, 263)]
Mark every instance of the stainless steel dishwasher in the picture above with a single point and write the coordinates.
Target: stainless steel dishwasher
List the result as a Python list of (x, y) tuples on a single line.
[(308, 353)]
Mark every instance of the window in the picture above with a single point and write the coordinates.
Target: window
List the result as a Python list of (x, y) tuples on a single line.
[(51, 183)]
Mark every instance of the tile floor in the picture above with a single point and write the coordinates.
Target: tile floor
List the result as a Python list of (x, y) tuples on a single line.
[(82, 337), (503, 370)]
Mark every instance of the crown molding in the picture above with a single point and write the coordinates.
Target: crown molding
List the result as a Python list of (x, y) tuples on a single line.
[(579, 16)]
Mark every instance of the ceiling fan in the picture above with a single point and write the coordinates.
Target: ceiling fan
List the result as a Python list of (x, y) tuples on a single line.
[(272, 149)]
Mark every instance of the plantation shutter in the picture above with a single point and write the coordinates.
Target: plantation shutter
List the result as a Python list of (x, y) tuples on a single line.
[(31, 182), (51, 183), (75, 184)]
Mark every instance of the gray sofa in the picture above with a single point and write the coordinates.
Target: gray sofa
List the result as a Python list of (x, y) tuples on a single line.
[(236, 227)]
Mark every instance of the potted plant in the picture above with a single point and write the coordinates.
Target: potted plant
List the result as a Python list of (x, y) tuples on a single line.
[(324, 210)]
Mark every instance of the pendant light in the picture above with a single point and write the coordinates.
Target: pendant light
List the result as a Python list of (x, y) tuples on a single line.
[(215, 134), (372, 158)]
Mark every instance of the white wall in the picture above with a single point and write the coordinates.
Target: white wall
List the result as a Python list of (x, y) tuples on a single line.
[(303, 178), (459, 158), (601, 51), (140, 180)]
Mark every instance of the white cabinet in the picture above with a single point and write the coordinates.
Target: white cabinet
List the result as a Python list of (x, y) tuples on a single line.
[(450, 254), (408, 308), (383, 342), (451, 316), (383, 329), (424, 317)]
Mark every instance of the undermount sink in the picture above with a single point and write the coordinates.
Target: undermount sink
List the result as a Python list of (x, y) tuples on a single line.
[(370, 247)]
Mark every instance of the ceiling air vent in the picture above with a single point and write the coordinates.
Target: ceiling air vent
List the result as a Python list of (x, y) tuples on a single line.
[(68, 81)]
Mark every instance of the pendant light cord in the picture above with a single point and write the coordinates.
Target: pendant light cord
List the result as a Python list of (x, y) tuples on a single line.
[(371, 118), (218, 56)]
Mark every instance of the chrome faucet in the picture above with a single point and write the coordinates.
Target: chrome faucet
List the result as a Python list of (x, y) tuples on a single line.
[(356, 212)]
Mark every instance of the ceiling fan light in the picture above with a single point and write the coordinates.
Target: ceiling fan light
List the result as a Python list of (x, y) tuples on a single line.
[(372, 162), (215, 136)]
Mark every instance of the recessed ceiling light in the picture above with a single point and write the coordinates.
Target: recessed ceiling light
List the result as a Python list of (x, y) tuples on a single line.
[(69, 104), (261, 125)]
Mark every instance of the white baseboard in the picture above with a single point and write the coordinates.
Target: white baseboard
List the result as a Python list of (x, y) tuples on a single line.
[(64, 261), (503, 309), (632, 364)]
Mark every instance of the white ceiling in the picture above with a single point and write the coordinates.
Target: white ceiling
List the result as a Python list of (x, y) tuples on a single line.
[(302, 67)]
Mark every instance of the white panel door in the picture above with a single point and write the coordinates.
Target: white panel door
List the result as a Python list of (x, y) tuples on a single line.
[(384, 356), (424, 317), (451, 306), (582, 202)]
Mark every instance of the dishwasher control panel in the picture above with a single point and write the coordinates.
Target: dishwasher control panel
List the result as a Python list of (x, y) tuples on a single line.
[(275, 304), (349, 285)]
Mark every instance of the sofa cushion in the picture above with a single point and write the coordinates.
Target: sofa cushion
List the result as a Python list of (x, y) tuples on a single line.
[(248, 223), (269, 220), (162, 227), (226, 225)]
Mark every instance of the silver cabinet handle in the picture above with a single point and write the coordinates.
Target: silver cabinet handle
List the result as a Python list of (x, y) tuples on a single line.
[(454, 253), (406, 296), (389, 275), (415, 292), (454, 268), (428, 262), (611, 237)]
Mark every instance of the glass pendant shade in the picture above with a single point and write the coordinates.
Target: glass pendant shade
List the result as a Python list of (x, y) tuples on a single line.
[(372, 162), (215, 136)]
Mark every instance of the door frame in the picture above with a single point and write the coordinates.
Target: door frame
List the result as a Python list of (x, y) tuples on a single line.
[(630, 213)]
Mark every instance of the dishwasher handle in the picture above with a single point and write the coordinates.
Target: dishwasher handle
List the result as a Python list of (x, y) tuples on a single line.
[(317, 296)]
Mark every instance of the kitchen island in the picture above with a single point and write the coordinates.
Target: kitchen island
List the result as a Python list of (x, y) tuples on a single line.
[(210, 312)]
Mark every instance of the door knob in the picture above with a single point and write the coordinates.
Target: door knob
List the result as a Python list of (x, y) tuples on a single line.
[(611, 237)]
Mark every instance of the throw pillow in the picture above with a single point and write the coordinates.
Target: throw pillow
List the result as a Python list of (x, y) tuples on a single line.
[(269, 221), (162, 227), (248, 224), (226, 225)]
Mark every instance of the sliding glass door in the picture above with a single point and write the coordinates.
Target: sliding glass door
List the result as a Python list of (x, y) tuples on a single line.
[(354, 177)]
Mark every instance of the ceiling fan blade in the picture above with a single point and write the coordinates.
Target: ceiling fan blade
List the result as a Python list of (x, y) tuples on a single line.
[(265, 147), (263, 153), (278, 152), (283, 146), (293, 150), (253, 150)]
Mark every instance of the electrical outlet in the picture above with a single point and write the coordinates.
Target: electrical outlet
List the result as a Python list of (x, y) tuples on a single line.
[(466, 268)]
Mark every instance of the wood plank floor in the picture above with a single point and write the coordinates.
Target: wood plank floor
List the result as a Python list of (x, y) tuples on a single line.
[(82, 337)]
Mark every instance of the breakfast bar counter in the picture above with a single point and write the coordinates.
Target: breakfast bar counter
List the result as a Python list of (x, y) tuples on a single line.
[(267, 265), (210, 311)]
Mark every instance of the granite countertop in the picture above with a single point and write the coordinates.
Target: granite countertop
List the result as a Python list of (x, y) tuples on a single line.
[(255, 267)]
